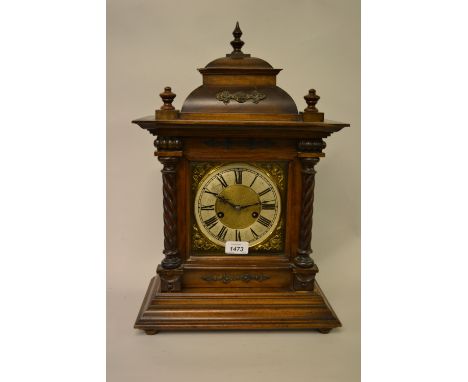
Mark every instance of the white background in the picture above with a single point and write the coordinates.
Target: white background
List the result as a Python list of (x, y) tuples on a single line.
[(414, 191)]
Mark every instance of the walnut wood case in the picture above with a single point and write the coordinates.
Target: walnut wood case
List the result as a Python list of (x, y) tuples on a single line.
[(239, 114)]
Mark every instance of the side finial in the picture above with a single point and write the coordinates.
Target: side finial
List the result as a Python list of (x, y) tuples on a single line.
[(311, 113), (237, 44), (167, 96), (167, 111), (311, 99)]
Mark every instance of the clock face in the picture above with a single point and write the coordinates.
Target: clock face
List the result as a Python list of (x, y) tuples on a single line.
[(237, 202)]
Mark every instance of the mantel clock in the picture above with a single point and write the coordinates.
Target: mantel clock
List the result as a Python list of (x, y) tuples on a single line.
[(238, 191)]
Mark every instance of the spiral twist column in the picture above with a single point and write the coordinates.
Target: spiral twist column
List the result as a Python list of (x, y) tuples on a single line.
[(169, 177), (304, 250)]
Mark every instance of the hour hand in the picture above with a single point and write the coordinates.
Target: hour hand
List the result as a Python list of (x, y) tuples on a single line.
[(224, 200)]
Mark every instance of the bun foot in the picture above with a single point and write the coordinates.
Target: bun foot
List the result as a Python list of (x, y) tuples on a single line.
[(151, 332), (324, 331)]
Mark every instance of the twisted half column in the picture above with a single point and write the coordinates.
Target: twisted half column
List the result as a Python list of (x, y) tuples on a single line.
[(169, 178), (304, 250)]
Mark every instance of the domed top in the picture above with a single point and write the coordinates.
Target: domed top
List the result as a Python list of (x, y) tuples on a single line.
[(239, 86), (246, 62)]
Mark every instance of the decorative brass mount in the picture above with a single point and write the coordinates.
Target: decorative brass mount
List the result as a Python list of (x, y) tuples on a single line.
[(226, 96), (246, 277)]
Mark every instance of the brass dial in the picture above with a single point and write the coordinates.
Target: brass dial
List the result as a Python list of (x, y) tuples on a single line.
[(237, 202)]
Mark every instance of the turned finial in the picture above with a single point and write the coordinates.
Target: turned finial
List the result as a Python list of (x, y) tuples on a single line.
[(237, 44), (311, 113), (311, 99), (168, 97)]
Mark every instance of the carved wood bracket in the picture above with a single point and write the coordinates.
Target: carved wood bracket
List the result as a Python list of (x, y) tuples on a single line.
[(168, 143), (171, 279), (304, 279)]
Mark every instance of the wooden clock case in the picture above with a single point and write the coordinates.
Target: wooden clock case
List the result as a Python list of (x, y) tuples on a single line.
[(239, 114)]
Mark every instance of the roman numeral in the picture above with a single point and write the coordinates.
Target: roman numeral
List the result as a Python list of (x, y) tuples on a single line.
[(238, 176), (222, 233), (254, 234), (238, 235), (264, 221), (268, 206), (207, 208), (210, 192), (222, 181), (253, 181), (211, 222), (266, 191)]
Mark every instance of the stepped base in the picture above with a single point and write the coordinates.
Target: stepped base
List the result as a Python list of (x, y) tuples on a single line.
[(215, 309)]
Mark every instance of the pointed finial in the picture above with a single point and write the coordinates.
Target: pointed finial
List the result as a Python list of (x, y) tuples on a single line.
[(237, 43), (237, 33)]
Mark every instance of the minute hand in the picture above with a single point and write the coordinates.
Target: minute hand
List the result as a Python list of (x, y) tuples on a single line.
[(254, 204)]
